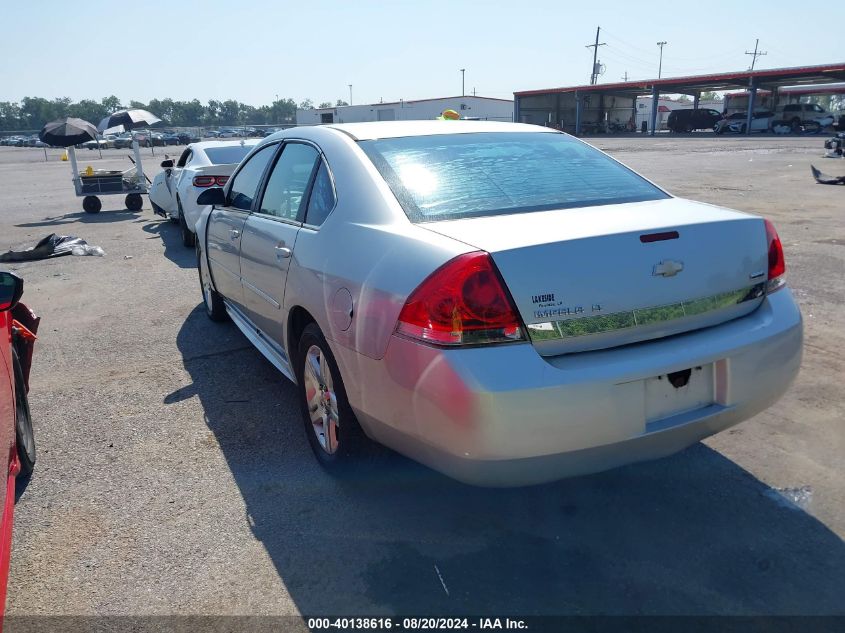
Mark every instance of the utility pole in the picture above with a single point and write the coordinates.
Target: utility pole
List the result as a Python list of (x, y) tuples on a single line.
[(463, 74), (473, 92), (595, 47), (660, 67), (625, 78), (755, 54), (350, 94)]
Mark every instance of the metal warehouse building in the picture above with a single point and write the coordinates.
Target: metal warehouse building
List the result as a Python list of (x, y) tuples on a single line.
[(469, 107), (578, 108)]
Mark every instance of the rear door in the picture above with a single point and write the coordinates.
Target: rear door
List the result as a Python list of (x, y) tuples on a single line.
[(226, 224), (270, 235)]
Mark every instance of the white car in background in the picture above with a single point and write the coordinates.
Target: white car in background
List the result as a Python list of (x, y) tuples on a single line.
[(202, 165)]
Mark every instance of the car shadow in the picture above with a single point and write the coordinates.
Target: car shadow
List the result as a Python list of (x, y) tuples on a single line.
[(104, 216), (171, 238), (690, 534)]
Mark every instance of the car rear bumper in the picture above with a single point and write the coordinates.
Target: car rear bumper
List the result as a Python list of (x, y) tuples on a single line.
[(505, 416)]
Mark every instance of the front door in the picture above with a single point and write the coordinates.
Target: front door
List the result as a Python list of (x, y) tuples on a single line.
[(226, 225), (270, 236)]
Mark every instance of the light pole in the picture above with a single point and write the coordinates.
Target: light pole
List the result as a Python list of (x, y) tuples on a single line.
[(350, 94), (660, 67), (463, 90)]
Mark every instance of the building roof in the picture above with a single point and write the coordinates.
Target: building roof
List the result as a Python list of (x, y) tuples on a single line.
[(412, 101), (774, 77)]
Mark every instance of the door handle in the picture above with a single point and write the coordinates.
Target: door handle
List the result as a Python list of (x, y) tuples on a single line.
[(282, 252), (234, 234)]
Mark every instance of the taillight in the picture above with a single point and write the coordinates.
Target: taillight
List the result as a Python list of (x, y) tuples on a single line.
[(777, 263), (210, 181), (464, 302)]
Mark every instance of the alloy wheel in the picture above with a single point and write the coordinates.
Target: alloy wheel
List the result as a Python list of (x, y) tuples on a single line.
[(321, 398)]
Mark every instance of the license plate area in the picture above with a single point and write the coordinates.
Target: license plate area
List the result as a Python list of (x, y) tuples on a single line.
[(664, 399)]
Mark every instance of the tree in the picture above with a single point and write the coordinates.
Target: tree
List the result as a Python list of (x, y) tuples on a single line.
[(307, 104), (111, 104), (341, 102), (710, 95), (326, 104)]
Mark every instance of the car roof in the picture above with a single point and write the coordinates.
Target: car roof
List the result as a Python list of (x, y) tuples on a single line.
[(396, 129), (203, 145)]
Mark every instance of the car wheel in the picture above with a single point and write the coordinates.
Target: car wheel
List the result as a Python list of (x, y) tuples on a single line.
[(333, 432), (134, 201), (214, 306), (795, 124), (188, 237), (743, 128), (24, 434), (91, 204), (688, 128)]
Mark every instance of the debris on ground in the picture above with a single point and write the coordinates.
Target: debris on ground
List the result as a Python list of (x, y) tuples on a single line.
[(53, 246), (824, 179)]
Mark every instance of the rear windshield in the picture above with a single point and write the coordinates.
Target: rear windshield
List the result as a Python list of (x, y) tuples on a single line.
[(227, 155), (450, 176)]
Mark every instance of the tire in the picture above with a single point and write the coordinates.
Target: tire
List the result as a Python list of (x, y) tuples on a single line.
[(189, 239), (688, 128), (91, 204), (211, 299), (24, 434), (743, 128), (340, 446), (134, 201), (795, 124)]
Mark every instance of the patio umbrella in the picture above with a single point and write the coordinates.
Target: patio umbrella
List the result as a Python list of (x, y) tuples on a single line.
[(67, 131), (129, 119)]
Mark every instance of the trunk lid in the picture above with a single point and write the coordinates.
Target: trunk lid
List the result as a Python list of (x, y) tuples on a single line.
[(604, 276)]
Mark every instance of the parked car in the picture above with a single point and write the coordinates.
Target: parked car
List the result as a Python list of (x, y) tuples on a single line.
[(17, 335), (798, 115), (688, 119), (723, 125), (170, 138), (175, 189), (502, 302), (212, 134), (185, 138), (105, 142), (738, 121), (227, 133)]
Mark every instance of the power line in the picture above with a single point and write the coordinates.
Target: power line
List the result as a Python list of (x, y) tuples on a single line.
[(755, 54), (595, 47)]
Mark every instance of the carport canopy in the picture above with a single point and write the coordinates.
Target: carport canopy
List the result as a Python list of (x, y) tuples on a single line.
[(750, 80)]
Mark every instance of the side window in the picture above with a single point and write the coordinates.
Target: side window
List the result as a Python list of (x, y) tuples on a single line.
[(817, 108), (245, 184), (184, 158), (288, 182), (322, 198)]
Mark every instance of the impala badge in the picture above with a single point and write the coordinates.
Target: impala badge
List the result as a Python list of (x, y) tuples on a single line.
[(667, 268)]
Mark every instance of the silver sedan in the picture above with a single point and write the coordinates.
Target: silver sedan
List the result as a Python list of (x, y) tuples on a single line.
[(502, 302)]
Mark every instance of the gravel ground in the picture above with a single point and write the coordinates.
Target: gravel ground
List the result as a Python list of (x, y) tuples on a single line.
[(174, 476)]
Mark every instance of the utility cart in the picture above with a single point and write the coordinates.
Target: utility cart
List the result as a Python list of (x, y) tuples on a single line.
[(91, 184)]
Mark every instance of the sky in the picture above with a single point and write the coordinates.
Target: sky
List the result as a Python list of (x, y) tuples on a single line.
[(252, 51)]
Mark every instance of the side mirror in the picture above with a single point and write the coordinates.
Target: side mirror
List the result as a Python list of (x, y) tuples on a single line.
[(11, 289), (167, 164), (213, 195)]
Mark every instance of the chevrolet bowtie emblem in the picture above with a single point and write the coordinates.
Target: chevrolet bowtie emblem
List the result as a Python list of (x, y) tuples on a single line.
[(667, 268)]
